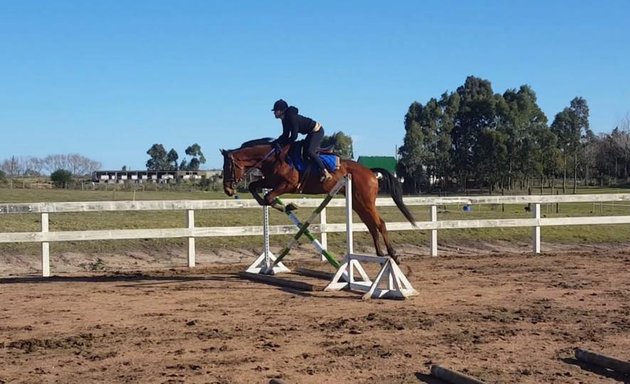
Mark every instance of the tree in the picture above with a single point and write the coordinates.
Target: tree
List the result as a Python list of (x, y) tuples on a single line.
[(197, 158), (412, 152), (61, 178), (449, 105), (477, 111), (342, 144), (572, 128), (11, 167), (492, 157), (76, 164), (621, 136), (547, 155), (158, 160), (607, 154), (171, 158), (520, 120)]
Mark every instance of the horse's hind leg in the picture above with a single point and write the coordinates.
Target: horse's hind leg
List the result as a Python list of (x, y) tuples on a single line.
[(371, 222), (382, 229), (376, 225), (363, 203)]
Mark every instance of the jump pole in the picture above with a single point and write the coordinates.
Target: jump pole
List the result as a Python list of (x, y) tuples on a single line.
[(320, 248), (453, 377), (306, 224), (602, 361)]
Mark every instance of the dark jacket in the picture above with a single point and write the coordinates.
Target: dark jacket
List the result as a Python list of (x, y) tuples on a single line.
[(292, 124)]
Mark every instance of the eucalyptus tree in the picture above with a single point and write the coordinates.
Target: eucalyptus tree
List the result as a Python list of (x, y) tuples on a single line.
[(492, 157), (621, 137), (547, 156), (520, 119), (609, 155), (342, 144), (477, 112), (158, 160), (430, 119), (171, 159), (449, 105), (571, 126), (412, 152), (197, 158)]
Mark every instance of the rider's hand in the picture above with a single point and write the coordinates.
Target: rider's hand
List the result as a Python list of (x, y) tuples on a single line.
[(276, 145)]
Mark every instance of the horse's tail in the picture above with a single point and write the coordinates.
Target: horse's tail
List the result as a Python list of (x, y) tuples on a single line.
[(395, 190)]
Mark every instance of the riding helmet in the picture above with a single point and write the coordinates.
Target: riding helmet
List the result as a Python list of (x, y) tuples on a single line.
[(280, 105)]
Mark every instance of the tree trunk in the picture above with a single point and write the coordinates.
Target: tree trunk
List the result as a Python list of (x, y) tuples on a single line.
[(564, 176), (575, 173)]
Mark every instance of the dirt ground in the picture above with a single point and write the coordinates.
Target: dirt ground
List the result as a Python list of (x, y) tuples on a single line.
[(502, 317)]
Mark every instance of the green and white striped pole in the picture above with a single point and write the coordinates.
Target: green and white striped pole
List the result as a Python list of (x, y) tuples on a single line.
[(308, 222), (327, 255)]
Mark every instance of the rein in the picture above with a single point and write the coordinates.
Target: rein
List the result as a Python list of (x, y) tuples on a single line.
[(248, 171)]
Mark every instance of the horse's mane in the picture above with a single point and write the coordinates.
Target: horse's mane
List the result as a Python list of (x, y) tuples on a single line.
[(253, 143)]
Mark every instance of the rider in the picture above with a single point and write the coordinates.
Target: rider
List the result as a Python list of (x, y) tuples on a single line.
[(292, 124)]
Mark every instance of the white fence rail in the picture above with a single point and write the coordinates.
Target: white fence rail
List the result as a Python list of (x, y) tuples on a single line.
[(190, 231)]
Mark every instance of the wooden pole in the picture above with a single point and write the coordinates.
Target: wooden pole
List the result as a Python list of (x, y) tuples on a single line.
[(308, 222), (602, 361), (320, 246), (453, 377)]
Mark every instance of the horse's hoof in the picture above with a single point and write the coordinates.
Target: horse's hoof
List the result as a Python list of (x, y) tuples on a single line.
[(397, 259), (290, 207)]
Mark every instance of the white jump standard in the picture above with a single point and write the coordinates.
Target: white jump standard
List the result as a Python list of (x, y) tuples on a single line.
[(397, 285), (267, 260)]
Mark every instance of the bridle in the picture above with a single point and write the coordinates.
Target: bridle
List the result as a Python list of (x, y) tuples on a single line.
[(233, 164)]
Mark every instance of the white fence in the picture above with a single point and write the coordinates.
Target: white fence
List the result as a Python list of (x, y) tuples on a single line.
[(44, 236)]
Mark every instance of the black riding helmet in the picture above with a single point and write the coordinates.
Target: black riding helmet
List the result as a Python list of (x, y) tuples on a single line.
[(280, 105)]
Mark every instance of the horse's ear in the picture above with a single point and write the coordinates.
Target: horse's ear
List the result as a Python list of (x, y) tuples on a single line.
[(222, 151)]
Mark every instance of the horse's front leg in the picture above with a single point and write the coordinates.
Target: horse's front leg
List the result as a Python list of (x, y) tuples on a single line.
[(280, 189), (254, 187)]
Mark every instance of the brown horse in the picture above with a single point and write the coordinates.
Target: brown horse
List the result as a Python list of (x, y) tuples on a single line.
[(282, 178)]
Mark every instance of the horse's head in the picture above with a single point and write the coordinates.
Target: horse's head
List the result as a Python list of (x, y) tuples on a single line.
[(236, 162), (233, 172)]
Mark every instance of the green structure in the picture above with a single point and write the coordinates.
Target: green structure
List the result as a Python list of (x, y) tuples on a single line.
[(385, 162)]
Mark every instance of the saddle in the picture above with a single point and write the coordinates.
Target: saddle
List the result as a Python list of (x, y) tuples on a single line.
[(328, 157)]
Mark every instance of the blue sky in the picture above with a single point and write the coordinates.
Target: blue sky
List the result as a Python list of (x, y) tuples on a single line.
[(107, 79)]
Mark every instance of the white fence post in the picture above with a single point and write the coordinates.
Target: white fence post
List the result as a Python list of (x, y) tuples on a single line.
[(45, 247), (433, 241), (323, 234), (349, 238), (536, 231), (190, 223)]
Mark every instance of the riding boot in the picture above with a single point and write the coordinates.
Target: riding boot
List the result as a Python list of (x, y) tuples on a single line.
[(325, 176)]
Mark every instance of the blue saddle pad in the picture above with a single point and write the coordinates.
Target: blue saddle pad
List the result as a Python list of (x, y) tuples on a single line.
[(330, 160)]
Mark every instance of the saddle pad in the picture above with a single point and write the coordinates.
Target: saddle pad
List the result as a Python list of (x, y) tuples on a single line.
[(330, 161)]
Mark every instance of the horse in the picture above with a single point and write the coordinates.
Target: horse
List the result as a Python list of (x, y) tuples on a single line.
[(281, 177)]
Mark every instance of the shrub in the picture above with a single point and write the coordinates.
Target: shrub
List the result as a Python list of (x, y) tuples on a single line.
[(61, 178)]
